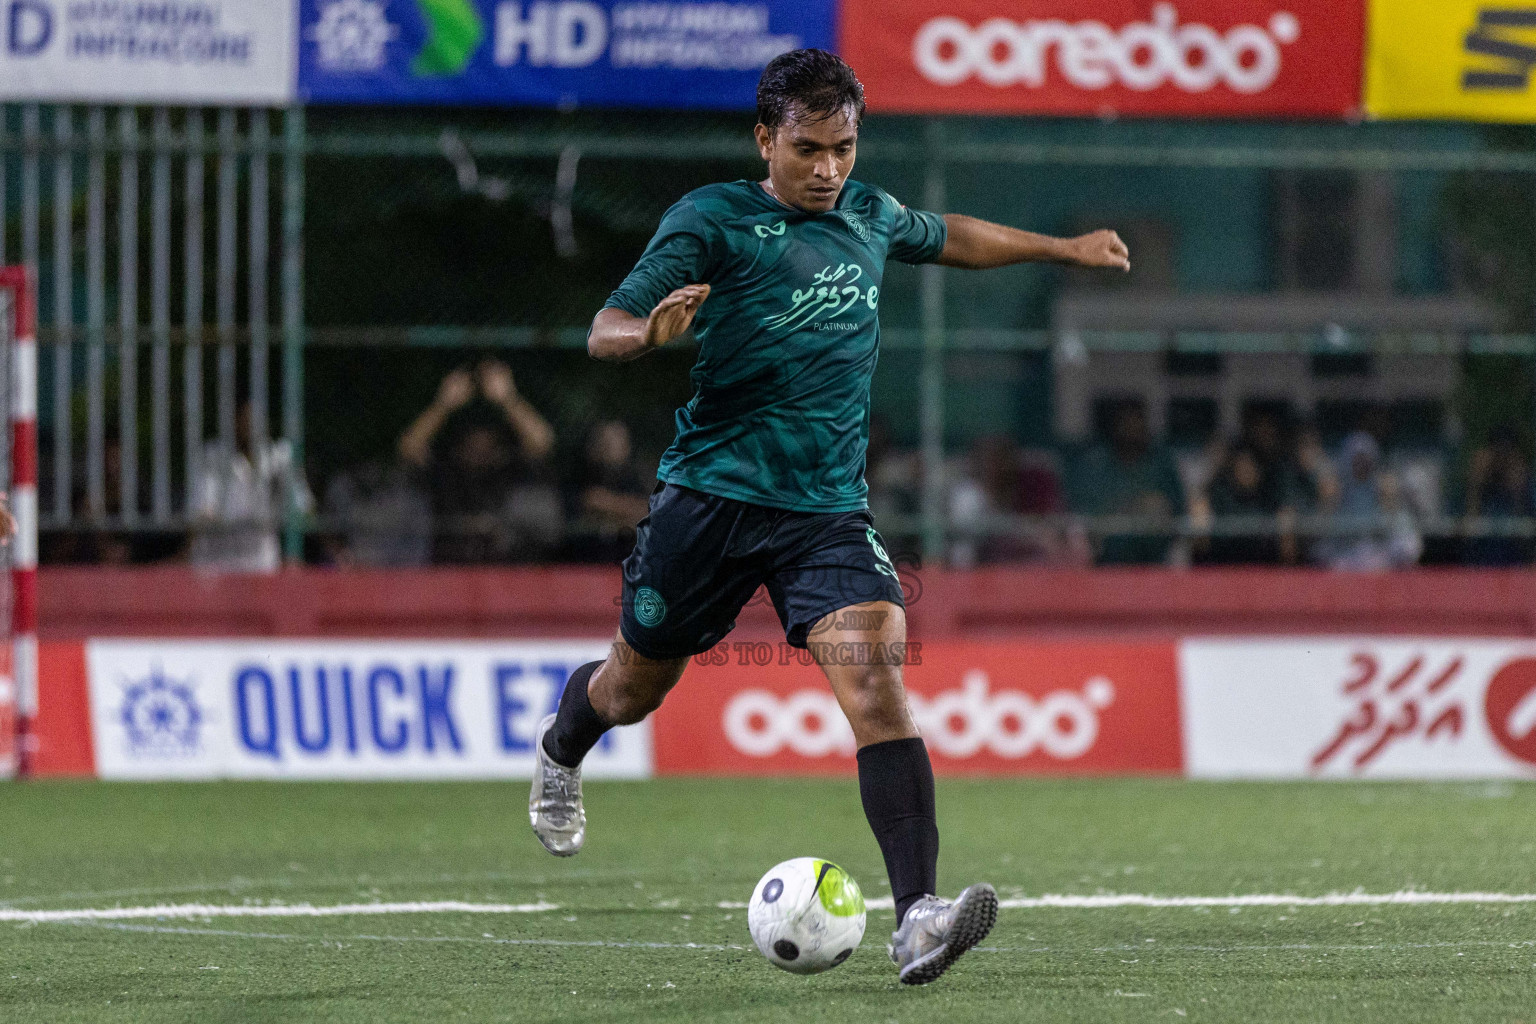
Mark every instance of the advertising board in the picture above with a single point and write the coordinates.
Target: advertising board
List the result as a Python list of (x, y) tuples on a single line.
[(1190, 58), (559, 53), (1467, 60), (1359, 708), (983, 708), (335, 710), (169, 51)]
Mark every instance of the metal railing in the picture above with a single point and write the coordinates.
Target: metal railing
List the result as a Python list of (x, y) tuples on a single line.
[(172, 248), (129, 286)]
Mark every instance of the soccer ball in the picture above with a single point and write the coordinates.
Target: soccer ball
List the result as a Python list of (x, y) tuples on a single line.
[(806, 915)]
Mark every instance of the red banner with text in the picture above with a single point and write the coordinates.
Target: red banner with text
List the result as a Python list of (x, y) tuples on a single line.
[(983, 708), (1191, 58)]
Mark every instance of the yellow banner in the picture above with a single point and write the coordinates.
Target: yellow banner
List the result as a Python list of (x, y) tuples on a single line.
[(1470, 60)]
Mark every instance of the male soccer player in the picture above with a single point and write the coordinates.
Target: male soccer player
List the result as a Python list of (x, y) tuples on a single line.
[(764, 485)]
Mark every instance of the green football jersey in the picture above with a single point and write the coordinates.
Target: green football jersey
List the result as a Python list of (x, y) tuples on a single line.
[(788, 337)]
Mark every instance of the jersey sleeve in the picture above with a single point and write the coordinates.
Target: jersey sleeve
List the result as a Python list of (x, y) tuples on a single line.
[(680, 253), (917, 236)]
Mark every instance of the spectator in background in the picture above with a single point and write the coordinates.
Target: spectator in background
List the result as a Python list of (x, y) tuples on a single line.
[(894, 476), (243, 494), (1498, 497), (1130, 476), (91, 543), (1317, 480), (607, 496), (1374, 529), (486, 470), (376, 517), (1250, 484), (1001, 483)]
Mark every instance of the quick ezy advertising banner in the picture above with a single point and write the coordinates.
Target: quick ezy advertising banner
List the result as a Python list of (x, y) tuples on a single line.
[(1172, 58), (1359, 708), (165, 51), (285, 709), (558, 53), (1467, 60)]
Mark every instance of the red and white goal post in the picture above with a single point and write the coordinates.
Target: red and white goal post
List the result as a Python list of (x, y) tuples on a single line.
[(18, 657)]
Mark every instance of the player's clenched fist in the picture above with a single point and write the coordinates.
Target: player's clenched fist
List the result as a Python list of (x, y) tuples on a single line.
[(674, 314), (1100, 249)]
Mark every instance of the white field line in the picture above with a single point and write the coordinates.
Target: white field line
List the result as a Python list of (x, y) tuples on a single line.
[(205, 910), (1406, 897)]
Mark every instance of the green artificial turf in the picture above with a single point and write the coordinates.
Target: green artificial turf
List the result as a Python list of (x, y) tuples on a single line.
[(661, 857)]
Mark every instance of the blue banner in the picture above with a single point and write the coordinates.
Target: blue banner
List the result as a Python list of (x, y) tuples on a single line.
[(551, 53)]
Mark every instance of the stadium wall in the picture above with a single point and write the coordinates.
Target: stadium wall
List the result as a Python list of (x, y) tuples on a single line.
[(164, 673)]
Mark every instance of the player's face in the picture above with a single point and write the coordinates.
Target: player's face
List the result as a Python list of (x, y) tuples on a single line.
[(810, 158)]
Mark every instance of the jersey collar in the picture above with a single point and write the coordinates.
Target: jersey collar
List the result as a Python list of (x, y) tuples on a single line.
[(757, 186)]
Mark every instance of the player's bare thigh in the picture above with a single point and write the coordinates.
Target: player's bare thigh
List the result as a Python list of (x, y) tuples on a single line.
[(629, 686), (861, 649)]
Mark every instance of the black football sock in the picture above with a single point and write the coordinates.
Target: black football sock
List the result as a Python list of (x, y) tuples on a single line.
[(577, 727), (896, 785)]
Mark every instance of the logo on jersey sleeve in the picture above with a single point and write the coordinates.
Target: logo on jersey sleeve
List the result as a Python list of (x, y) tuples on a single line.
[(832, 292)]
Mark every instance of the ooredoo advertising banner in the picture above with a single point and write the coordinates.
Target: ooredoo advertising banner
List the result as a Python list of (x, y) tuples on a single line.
[(1172, 58), (1036, 708), (168, 51), (1463, 59), (1359, 708), (550, 52), (287, 709)]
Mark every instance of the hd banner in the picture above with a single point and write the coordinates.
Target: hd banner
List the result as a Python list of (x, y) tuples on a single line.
[(148, 51), (1189, 58), (561, 53), (1467, 60), (285, 709)]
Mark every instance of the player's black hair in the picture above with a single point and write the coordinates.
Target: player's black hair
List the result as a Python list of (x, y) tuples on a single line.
[(819, 83)]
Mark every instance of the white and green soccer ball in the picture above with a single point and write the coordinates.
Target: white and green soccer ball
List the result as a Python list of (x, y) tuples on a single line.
[(806, 915)]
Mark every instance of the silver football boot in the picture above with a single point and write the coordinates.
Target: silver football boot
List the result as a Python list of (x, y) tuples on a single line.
[(554, 805), (936, 932)]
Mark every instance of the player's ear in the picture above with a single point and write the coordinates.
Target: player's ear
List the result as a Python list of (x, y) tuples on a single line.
[(764, 140)]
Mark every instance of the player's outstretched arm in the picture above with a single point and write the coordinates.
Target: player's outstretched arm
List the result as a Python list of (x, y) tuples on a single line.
[(616, 336), (981, 245)]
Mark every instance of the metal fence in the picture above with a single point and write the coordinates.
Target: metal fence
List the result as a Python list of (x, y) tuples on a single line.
[(157, 295), (171, 243)]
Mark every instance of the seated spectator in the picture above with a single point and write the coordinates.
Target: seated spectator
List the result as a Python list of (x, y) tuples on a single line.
[(1130, 476), (1317, 480), (1001, 483), (607, 496), (1248, 486), (1498, 497), (89, 541), (376, 517), (1374, 529), (243, 495), (894, 476), (485, 467)]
